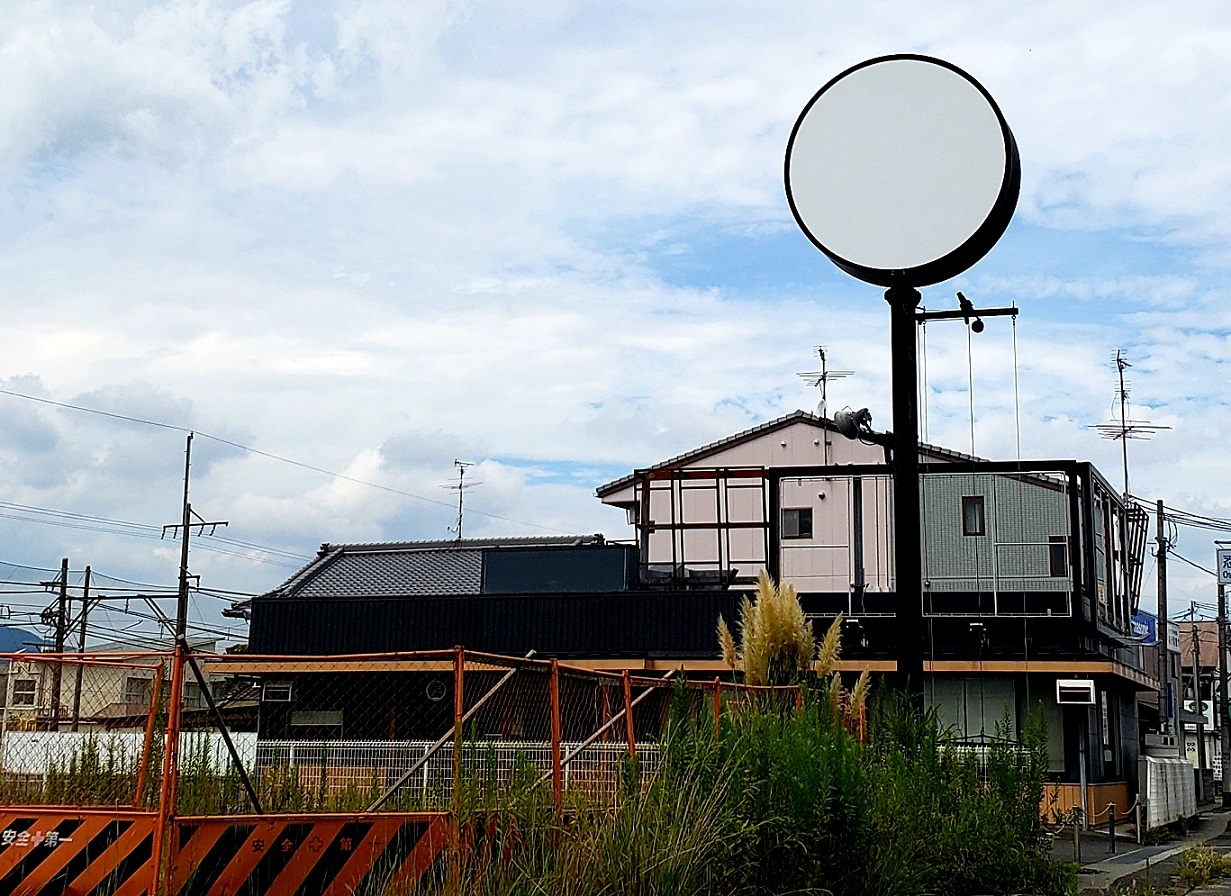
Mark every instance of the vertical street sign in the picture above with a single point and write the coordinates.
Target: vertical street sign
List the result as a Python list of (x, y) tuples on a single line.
[(1224, 566)]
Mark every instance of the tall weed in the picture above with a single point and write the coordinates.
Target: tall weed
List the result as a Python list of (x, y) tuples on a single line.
[(787, 802)]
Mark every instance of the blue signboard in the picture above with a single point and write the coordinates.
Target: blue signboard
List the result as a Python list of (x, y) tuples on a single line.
[(1145, 627)]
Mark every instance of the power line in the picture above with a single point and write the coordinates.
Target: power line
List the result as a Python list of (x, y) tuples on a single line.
[(71, 515), (70, 520), (286, 460), (1186, 518), (1173, 553), (139, 588), (290, 555)]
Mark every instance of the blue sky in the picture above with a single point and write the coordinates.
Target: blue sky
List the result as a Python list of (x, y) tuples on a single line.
[(373, 237)]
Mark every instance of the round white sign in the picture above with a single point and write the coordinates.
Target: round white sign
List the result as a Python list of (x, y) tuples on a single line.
[(903, 171)]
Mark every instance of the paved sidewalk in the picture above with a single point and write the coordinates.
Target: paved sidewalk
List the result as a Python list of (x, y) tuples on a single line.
[(1104, 871)]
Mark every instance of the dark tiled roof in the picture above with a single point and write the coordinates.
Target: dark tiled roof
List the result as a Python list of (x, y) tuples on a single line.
[(386, 573), (408, 568)]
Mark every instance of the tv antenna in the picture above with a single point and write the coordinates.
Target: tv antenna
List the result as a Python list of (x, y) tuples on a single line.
[(819, 379), (460, 488), (1126, 428)]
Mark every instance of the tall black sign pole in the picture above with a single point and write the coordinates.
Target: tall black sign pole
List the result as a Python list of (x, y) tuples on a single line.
[(903, 303), (904, 173)]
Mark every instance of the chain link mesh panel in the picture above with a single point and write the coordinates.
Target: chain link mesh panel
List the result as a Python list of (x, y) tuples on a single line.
[(79, 730), (424, 731)]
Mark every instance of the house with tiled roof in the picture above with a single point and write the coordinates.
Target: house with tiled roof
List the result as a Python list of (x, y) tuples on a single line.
[(567, 596), (1031, 572)]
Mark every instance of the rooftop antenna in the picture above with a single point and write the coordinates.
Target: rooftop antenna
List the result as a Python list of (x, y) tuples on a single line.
[(460, 488), (819, 379), (1126, 428)]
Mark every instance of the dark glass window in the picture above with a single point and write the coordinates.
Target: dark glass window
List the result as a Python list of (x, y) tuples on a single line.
[(137, 691), (1058, 555), (797, 522), (974, 521), (24, 691)]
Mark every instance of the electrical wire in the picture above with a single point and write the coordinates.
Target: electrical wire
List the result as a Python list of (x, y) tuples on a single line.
[(266, 454), (1173, 553), (70, 520), (1017, 404), (923, 386), (1185, 518), (970, 388)]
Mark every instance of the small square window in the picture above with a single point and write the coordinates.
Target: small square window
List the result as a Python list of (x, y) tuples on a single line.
[(193, 696), (1058, 555), (137, 691), (24, 691), (974, 521), (797, 522)]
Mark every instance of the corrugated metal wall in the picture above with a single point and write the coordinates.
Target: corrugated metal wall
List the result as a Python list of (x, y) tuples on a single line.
[(677, 624)]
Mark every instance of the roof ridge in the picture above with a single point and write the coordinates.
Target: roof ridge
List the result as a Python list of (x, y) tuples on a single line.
[(926, 448), (793, 417), (455, 544)]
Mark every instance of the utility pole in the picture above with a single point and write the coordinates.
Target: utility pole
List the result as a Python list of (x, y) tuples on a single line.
[(1197, 705), (1224, 723), (181, 660), (85, 613), (57, 675), (1164, 652), (184, 528), (181, 656)]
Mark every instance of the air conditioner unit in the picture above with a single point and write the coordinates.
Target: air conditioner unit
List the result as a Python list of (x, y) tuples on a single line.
[(1074, 692)]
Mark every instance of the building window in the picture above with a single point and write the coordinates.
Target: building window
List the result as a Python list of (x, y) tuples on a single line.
[(276, 692), (137, 691), (1058, 555), (24, 691), (193, 697), (974, 521), (797, 522)]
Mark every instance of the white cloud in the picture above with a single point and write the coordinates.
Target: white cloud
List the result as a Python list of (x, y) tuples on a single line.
[(374, 237)]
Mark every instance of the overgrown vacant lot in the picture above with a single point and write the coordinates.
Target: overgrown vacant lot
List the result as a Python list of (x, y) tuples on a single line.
[(787, 801)]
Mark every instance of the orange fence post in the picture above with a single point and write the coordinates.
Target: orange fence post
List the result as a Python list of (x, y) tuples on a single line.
[(606, 714), (459, 711), (143, 769), (628, 716), (557, 768), (717, 707), (799, 698), (170, 768)]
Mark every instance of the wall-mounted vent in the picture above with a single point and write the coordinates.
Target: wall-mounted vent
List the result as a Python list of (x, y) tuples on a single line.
[(276, 692), (1074, 692), (317, 718)]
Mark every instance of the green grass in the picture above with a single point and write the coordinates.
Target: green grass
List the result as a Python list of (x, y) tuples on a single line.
[(778, 801), (782, 802)]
